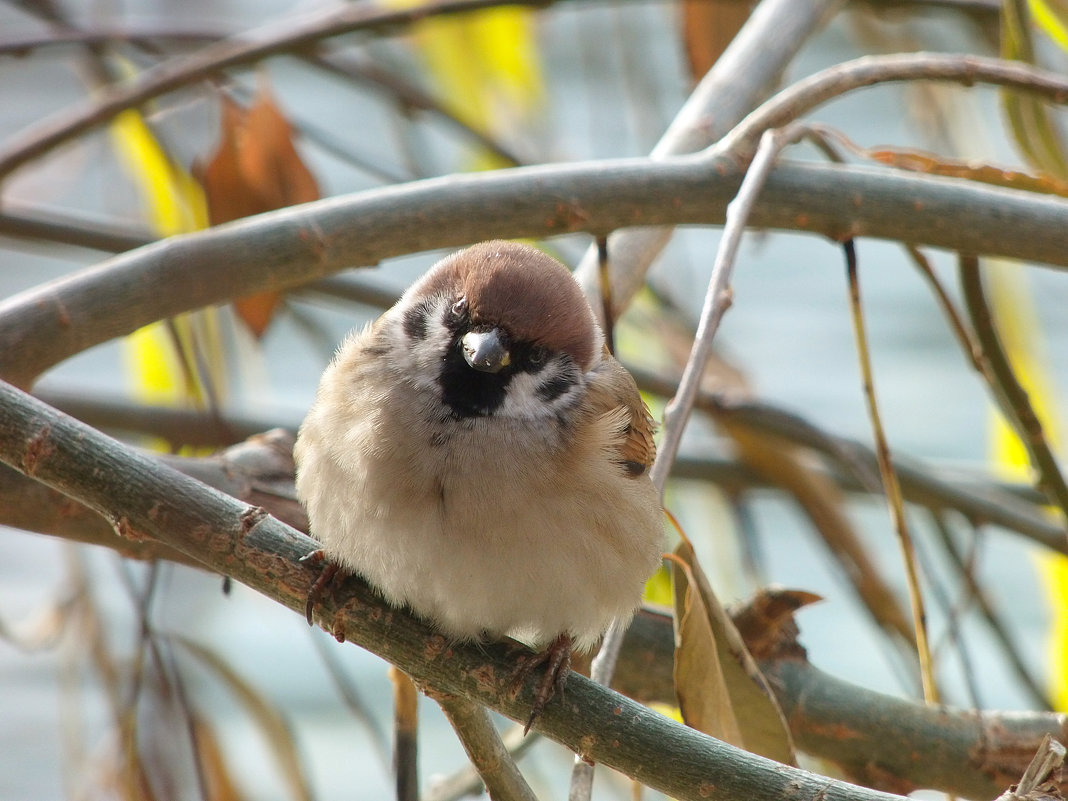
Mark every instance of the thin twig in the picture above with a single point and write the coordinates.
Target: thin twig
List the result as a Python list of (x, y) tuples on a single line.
[(717, 301), (273, 38), (1009, 393), (140, 35), (890, 483), (805, 95), (405, 735), (972, 350), (718, 298), (483, 745), (998, 629), (980, 499), (350, 694), (741, 78), (409, 96), (466, 781)]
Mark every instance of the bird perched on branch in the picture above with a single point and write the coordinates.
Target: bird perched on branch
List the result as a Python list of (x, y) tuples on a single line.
[(477, 455)]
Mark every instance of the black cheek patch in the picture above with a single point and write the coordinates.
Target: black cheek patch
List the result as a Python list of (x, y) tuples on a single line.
[(554, 387), (415, 322)]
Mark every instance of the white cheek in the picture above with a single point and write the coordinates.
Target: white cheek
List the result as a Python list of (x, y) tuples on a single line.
[(522, 399), (418, 360)]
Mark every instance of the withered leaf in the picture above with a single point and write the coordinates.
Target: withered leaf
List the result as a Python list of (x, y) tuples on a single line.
[(719, 687), (255, 168)]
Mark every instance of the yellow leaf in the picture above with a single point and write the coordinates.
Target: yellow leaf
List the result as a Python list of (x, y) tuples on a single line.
[(1052, 18), (486, 68), (173, 198)]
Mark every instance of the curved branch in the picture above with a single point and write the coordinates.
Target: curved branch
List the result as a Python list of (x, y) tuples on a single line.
[(853, 465), (284, 248), (746, 72), (142, 498), (1011, 396), (875, 738), (815, 90), (273, 38)]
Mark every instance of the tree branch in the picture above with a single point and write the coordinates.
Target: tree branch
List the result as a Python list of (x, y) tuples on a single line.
[(273, 38), (875, 738), (284, 248), (742, 76), (833, 82), (25, 504), (142, 498)]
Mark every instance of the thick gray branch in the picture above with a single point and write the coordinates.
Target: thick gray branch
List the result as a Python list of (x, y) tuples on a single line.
[(281, 249), (143, 498), (873, 737)]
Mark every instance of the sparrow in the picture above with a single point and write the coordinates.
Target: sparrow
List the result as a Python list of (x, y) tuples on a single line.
[(478, 456)]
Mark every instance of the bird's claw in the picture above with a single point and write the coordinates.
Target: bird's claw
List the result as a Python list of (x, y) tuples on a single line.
[(327, 575), (557, 661)]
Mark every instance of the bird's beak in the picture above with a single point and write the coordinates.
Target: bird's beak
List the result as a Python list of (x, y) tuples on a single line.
[(485, 350)]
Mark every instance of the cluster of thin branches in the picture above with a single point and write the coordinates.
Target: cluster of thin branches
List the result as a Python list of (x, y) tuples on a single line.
[(729, 172)]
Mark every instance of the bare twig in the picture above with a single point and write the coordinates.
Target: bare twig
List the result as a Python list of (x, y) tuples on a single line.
[(273, 38), (466, 781), (23, 221), (973, 352), (350, 695), (484, 748), (718, 299), (20, 44), (891, 484), (1010, 395), (805, 95), (1000, 631), (405, 735), (742, 76), (410, 96), (982, 502)]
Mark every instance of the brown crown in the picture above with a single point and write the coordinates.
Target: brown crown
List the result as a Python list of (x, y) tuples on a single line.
[(530, 295)]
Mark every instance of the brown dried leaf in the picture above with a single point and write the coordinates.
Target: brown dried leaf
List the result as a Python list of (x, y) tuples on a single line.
[(932, 164), (219, 784), (719, 687), (255, 169), (708, 26), (766, 621)]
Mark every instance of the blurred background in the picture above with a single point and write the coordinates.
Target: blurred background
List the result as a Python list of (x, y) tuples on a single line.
[(86, 636)]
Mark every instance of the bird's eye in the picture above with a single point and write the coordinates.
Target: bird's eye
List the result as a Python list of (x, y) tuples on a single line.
[(538, 354), (459, 307)]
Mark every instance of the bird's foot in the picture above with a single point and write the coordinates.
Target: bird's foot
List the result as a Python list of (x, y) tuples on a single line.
[(557, 661), (328, 575)]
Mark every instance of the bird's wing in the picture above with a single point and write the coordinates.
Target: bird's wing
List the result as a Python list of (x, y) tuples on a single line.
[(613, 387)]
